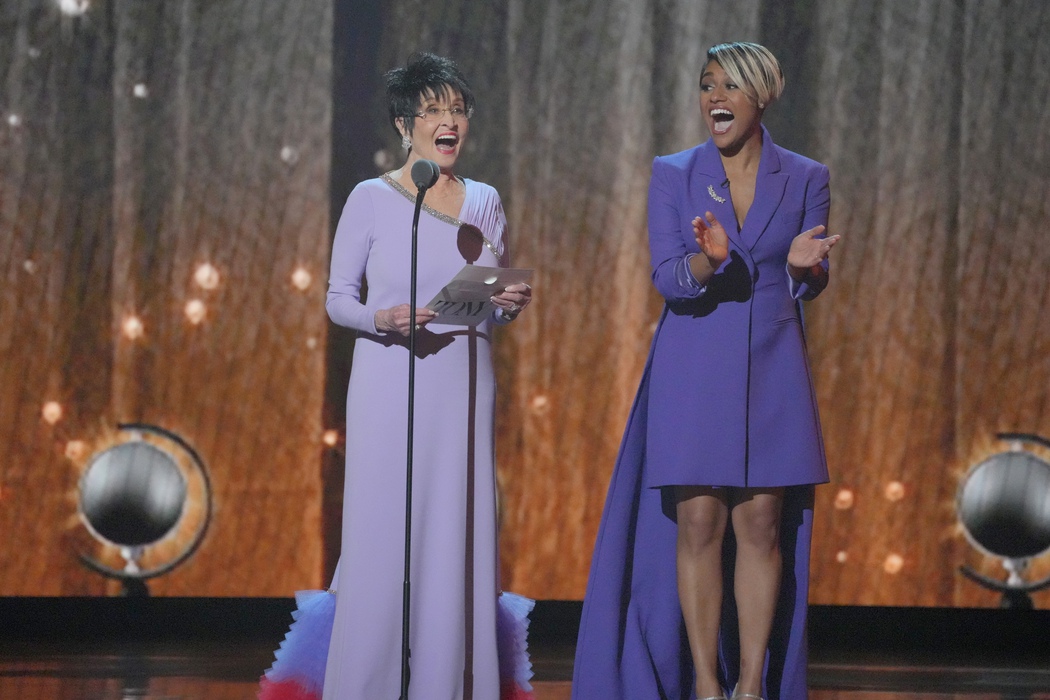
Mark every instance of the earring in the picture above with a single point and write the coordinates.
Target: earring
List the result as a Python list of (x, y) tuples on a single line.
[(761, 105), (406, 142)]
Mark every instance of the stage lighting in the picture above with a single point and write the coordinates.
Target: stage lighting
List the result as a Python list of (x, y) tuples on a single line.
[(133, 327), (132, 495), (74, 8), (1003, 505), (135, 494), (206, 276), (195, 311), (301, 279)]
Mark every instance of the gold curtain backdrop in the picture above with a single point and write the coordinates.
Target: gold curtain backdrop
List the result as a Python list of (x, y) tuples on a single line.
[(257, 120), (163, 162)]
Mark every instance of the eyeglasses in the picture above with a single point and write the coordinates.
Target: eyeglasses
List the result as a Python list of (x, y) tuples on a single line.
[(434, 113)]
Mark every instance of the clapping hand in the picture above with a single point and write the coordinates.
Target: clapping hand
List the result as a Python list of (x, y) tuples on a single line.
[(712, 239), (808, 251)]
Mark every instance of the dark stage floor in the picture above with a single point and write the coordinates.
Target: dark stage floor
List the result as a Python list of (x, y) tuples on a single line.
[(178, 649)]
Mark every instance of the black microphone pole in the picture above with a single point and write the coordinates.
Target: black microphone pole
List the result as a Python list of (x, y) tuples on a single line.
[(424, 175)]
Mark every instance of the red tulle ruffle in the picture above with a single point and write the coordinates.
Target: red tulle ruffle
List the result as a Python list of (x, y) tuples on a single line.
[(508, 690), (284, 690)]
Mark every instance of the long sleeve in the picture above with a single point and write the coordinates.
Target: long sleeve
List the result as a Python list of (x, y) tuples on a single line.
[(353, 241), (818, 204), (668, 245)]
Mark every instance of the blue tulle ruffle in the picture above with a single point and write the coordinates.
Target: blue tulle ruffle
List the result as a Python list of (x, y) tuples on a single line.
[(299, 666)]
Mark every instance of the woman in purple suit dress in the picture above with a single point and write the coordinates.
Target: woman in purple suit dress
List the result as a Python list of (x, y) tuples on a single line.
[(712, 492)]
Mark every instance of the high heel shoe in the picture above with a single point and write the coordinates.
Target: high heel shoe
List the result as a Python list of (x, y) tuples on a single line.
[(744, 696)]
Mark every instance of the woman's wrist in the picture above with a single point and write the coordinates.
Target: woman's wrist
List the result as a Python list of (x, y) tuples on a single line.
[(380, 321), (702, 267), (801, 274)]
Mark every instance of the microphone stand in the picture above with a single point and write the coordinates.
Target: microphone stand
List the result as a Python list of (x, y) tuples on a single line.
[(424, 174)]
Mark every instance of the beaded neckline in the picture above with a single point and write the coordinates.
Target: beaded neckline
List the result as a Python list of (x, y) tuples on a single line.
[(412, 198), (434, 212)]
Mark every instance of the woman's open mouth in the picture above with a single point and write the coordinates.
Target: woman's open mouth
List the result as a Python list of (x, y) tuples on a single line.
[(723, 119), (446, 143)]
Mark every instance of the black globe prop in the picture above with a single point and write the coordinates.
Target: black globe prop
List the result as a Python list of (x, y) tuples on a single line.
[(133, 494), (1004, 505)]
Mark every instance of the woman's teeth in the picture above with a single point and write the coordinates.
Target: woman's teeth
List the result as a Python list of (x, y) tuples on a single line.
[(723, 119)]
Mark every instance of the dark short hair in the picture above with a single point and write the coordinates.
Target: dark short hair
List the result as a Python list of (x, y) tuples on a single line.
[(424, 74)]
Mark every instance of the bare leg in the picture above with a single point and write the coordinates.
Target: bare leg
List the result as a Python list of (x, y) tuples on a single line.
[(702, 515), (756, 524)]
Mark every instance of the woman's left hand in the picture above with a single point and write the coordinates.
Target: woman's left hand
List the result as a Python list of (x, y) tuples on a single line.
[(807, 250), (513, 299)]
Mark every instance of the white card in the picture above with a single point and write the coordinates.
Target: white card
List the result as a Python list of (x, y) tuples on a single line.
[(466, 299)]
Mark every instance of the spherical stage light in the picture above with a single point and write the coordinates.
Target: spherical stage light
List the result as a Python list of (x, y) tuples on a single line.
[(134, 495), (1003, 505)]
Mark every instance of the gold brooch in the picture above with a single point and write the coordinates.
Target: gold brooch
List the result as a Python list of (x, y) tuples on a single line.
[(711, 191)]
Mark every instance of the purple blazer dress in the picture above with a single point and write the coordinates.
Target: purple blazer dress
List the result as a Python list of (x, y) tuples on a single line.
[(726, 399)]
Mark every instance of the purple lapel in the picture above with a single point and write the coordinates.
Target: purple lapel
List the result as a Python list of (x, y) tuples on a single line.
[(769, 191), (711, 175)]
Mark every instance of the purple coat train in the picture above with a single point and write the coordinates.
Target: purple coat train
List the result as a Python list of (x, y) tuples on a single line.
[(726, 399)]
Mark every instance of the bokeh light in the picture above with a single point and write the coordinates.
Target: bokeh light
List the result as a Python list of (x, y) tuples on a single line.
[(133, 328), (76, 450), (301, 279), (52, 412), (844, 499), (894, 491), (290, 155), (206, 276), (195, 311), (74, 8), (893, 564)]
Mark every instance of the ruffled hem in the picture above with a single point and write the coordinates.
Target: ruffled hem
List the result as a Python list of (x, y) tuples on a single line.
[(512, 645), (512, 691), (285, 690), (299, 665)]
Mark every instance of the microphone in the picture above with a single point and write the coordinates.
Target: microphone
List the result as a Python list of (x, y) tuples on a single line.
[(725, 183), (425, 174)]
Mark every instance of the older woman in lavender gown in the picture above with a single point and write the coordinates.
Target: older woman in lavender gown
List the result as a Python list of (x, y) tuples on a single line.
[(455, 574), (699, 582), (455, 584)]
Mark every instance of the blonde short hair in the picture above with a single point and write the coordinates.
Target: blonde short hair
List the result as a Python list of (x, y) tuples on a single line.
[(753, 68)]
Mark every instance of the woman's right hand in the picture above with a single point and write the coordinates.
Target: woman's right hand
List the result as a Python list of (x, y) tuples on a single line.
[(712, 239), (399, 319)]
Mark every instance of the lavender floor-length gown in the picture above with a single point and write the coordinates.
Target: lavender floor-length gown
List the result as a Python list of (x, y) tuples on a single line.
[(454, 550)]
